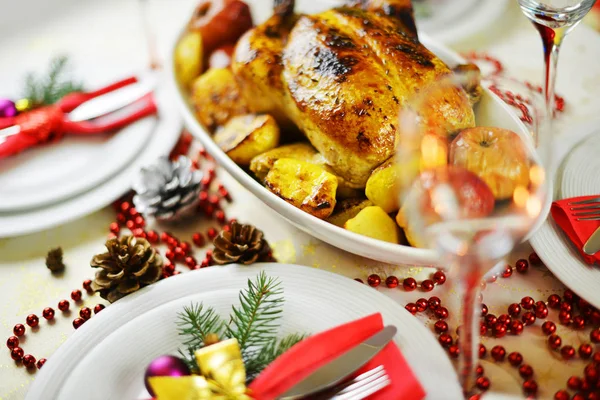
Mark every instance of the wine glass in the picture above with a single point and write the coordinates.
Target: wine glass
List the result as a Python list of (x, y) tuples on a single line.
[(554, 19), (471, 193)]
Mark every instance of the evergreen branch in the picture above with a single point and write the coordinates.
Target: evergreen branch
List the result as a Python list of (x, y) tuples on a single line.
[(195, 323), (270, 353), (256, 321), (43, 91)]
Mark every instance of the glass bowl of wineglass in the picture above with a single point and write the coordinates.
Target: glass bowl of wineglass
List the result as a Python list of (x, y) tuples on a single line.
[(470, 192)]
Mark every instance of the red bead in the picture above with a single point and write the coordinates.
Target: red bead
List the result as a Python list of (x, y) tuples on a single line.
[(454, 351), (483, 329), (165, 236), (578, 322), (63, 305), (12, 342), (522, 266), (596, 357), (409, 284), (541, 311), (585, 351), (441, 312), (76, 295), (482, 350), (32, 320), (220, 216), (87, 285), (133, 212), (492, 278), (594, 335), (125, 206), (190, 262), (185, 247), (139, 232), (567, 352), (391, 281), (595, 317), (205, 263), (114, 228), (479, 370), (198, 239), (570, 296), (525, 371), (498, 353), (169, 254), (48, 313), (77, 322), (179, 253), (528, 318), (427, 285), (530, 386), (516, 327), (130, 225), (17, 353), (19, 330), (507, 271), (358, 280), (534, 259), (578, 396), (211, 233), (515, 359), (98, 308), (483, 383), (564, 317), (504, 319), (527, 302), (548, 327), (566, 307), (169, 268), (152, 237), (574, 383), (445, 340), (374, 280), (562, 395), (439, 326), (139, 221), (85, 313), (554, 341), (484, 310), (490, 320), (591, 374), (41, 363), (554, 301), (499, 330), (28, 361), (514, 309), (434, 302), (121, 218), (411, 308), (439, 278)]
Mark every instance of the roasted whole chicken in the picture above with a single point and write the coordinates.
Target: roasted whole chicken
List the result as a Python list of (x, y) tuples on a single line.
[(342, 76)]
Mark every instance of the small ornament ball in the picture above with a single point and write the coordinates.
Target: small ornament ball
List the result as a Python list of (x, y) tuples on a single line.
[(7, 108), (165, 366)]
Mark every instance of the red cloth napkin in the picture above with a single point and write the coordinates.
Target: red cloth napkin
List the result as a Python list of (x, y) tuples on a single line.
[(317, 350), (577, 231)]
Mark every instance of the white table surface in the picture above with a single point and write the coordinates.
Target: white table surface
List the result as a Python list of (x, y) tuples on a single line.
[(108, 34)]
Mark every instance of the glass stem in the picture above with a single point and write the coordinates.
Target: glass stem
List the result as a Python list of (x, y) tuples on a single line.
[(552, 45)]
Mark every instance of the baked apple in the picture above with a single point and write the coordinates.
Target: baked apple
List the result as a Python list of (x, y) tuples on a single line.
[(496, 155), (221, 57), (188, 58), (220, 22)]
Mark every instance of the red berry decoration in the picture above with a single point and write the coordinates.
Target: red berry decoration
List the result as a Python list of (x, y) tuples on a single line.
[(40, 363), (507, 272), (514, 309), (515, 359), (190, 262), (585, 351), (152, 237), (17, 353), (516, 327), (530, 386), (76, 295), (570, 296), (566, 307), (48, 313), (63, 305), (564, 317), (427, 285), (567, 352), (554, 341), (525, 371), (32, 320), (522, 266), (439, 326), (28, 361), (434, 302), (374, 280), (85, 313), (574, 383), (441, 312), (554, 301), (409, 284), (534, 259), (411, 308), (445, 340), (421, 305), (77, 322), (12, 342), (499, 330), (19, 330), (169, 254), (114, 228), (454, 351), (594, 335), (439, 278), (392, 282), (504, 319), (87, 285), (498, 353), (484, 310), (562, 395), (98, 308), (479, 370), (591, 374), (548, 327), (528, 318), (490, 320), (483, 383), (578, 322), (482, 350), (527, 302), (541, 311), (211, 233)]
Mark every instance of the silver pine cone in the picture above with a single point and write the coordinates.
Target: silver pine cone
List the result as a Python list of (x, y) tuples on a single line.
[(167, 190)]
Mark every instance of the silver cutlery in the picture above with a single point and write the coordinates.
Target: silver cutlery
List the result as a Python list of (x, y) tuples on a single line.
[(364, 385), (340, 368), (588, 210)]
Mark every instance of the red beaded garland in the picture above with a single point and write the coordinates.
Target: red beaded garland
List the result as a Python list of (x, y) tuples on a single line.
[(541, 311), (484, 310), (514, 309), (17, 353), (534, 259), (482, 350), (76, 295), (525, 371), (564, 317), (515, 359), (530, 386), (63, 305), (567, 352), (507, 271), (554, 341), (77, 322), (527, 302), (570, 296), (190, 262), (516, 327), (19, 330), (152, 237), (434, 302), (483, 329), (12, 342), (391, 282), (498, 353), (374, 280), (427, 285), (439, 326), (522, 266), (411, 308), (32, 320), (85, 313), (499, 330), (528, 318), (98, 308), (504, 319), (578, 322), (48, 313), (574, 383), (594, 335), (211, 233), (483, 383), (445, 340), (490, 320), (562, 395), (40, 363), (441, 312), (566, 307), (585, 350), (87, 285), (28, 361), (554, 301), (548, 327), (409, 284), (454, 351), (479, 370), (439, 278), (421, 305), (578, 396), (591, 374)]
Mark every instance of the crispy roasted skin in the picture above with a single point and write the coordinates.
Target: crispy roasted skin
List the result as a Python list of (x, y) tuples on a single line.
[(342, 76)]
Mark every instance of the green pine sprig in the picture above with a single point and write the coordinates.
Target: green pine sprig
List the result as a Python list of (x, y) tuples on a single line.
[(48, 89), (270, 352)]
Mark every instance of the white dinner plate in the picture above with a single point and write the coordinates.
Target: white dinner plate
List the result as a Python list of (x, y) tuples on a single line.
[(106, 357), (163, 133), (491, 111), (578, 177), (54, 172)]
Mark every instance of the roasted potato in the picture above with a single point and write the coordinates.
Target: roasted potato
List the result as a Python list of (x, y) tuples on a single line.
[(382, 188), (306, 186), (188, 58), (375, 223), (347, 209), (412, 237), (247, 136), (216, 98)]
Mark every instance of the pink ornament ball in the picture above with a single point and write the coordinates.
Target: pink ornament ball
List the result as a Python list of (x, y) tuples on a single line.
[(165, 366)]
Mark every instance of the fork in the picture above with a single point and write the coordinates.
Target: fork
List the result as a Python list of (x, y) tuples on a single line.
[(588, 210), (362, 386)]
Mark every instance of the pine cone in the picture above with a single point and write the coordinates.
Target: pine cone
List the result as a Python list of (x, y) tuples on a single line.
[(243, 244), (130, 264), (167, 190), (54, 260)]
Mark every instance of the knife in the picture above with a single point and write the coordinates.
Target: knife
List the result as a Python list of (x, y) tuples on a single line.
[(341, 367), (592, 245)]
